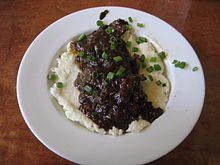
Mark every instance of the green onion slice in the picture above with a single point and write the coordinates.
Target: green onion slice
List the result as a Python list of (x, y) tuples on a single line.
[(81, 37), (110, 75), (195, 69), (157, 67), (153, 59), (99, 23), (117, 58), (81, 53), (87, 88), (130, 19), (120, 71), (134, 49), (59, 85), (158, 82), (150, 69), (104, 55), (140, 25), (52, 76), (162, 55)]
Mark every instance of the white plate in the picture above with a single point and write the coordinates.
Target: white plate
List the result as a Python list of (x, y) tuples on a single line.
[(81, 146)]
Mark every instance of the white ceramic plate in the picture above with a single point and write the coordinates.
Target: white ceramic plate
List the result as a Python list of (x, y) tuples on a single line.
[(81, 146)]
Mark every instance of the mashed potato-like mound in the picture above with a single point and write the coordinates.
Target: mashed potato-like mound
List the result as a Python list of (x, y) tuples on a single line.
[(67, 96)]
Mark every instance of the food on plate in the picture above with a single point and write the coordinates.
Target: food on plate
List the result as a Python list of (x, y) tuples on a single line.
[(111, 81)]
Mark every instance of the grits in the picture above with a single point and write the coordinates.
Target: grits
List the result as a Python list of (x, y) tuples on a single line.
[(67, 96)]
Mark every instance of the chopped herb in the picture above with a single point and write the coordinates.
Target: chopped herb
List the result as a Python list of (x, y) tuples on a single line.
[(180, 64), (88, 89), (162, 55), (157, 67), (150, 69), (81, 53), (129, 27), (128, 43), (100, 74), (52, 76), (158, 82), (94, 113), (150, 77), (130, 19), (81, 37), (113, 39), (104, 55), (90, 58), (113, 44), (153, 59), (59, 85), (140, 25), (110, 75), (142, 58), (195, 69), (140, 40), (174, 61), (134, 49), (109, 30), (95, 74), (99, 23), (117, 58), (95, 92), (120, 71), (144, 65), (106, 81)]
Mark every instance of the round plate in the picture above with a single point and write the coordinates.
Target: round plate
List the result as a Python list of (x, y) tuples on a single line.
[(81, 146)]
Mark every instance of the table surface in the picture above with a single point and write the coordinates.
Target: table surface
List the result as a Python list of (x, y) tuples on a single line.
[(22, 20)]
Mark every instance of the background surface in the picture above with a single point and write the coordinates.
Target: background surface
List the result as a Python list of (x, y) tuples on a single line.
[(22, 20)]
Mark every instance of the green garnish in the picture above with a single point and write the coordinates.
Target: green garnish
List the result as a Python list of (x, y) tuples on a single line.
[(113, 44), (153, 59), (144, 65), (90, 58), (174, 61), (88, 89), (128, 43), (129, 27), (110, 75), (150, 69), (52, 76), (158, 82), (140, 40), (130, 19), (99, 23), (106, 81), (140, 25), (150, 77), (95, 74), (100, 74), (104, 55), (162, 55), (134, 49), (117, 58), (142, 58), (81, 53), (81, 37), (109, 30), (120, 71), (94, 113), (195, 69), (59, 85), (180, 64), (157, 67)]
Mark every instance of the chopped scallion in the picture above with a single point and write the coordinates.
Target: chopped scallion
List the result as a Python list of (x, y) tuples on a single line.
[(129, 27), (90, 58), (174, 61), (134, 49), (88, 89), (144, 65), (162, 55), (157, 67), (95, 74), (81, 37), (180, 64), (109, 30), (52, 76), (140, 40), (130, 19), (140, 25), (117, 58), (150, 69), (195, 69), (104, 55), (158, 82), (110, 75), (99, 23), (120, 71), (59, 85), (81, 53), (142, 58), (153, 59), (128, 43), (150, 77)]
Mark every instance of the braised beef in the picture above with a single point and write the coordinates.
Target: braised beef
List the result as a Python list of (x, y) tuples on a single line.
[(114, 101)]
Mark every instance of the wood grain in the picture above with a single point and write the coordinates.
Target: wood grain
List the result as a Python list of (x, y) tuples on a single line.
[(22, 20)]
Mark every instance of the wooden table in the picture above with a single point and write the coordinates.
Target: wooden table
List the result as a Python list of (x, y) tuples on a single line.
[(22, 20)]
